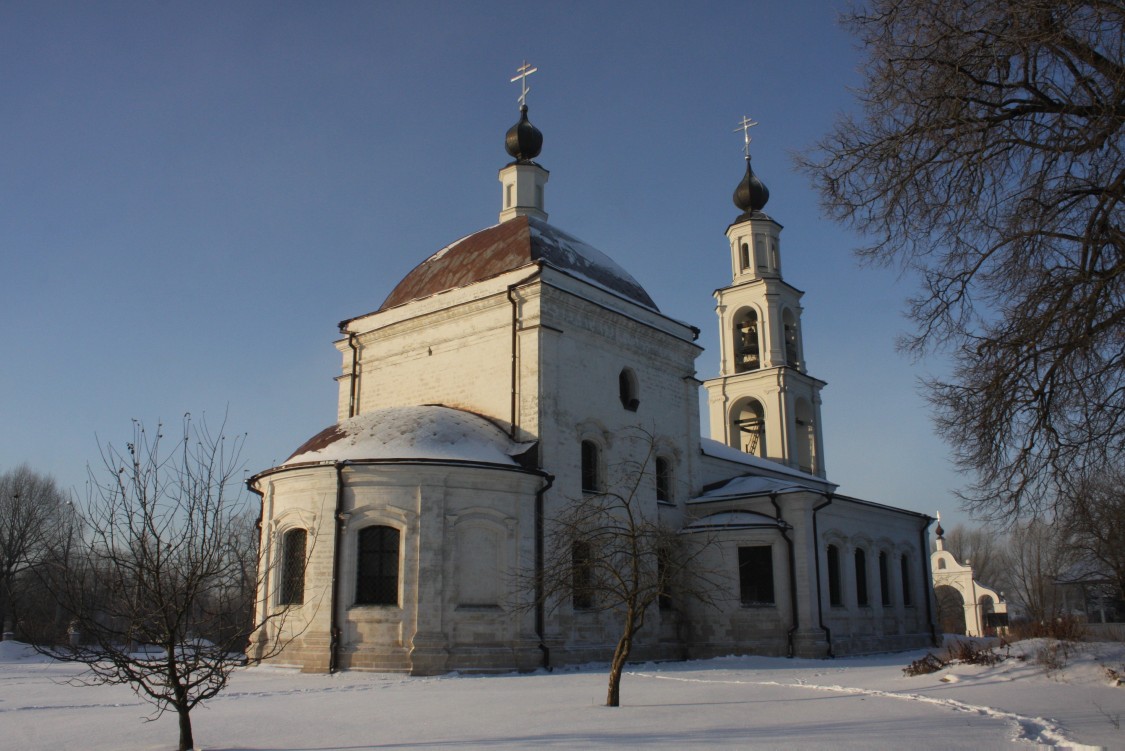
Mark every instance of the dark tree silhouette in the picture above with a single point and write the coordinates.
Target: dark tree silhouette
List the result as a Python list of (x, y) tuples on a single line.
[(988, 161), (609, 552), (161, 583), (33, 514)]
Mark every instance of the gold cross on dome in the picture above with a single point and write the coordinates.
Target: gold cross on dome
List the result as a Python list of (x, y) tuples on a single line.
[(525, 70), (745, 127)]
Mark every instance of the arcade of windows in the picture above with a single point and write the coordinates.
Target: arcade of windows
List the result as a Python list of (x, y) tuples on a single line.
[(859, 563), (748, 346)]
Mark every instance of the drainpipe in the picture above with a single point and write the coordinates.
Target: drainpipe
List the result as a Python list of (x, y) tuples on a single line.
[(338, 517), (791, 650), (540, 606), (353, 408), (927, 578), (261, 611), (819, 598), (513, 432)]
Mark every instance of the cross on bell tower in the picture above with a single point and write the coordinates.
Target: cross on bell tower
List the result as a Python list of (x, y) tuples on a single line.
[(763, 402)]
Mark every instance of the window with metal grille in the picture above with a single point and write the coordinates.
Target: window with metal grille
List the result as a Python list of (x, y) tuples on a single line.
[(663, 479), (293, 567), (376, 581)]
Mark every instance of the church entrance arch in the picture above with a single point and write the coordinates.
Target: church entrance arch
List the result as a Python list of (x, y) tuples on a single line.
[(950, 609)]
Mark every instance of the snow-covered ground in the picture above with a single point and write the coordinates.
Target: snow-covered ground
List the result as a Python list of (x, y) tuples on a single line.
[(743, 702)]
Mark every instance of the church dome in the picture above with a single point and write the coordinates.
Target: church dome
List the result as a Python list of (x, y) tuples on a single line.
[(523, 140), (428, 432), (514, 244), (751, 195)]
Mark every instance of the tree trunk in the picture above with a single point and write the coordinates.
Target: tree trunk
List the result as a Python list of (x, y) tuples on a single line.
[(620, 655), (186, 741)]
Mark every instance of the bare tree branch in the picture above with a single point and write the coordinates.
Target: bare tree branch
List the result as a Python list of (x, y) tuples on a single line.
[(162, 594), (989, 161)]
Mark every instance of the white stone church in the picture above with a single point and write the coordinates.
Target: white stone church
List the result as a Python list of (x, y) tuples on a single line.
[(508, 374)]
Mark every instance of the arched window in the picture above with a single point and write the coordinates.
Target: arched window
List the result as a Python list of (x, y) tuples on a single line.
[(747, 352), (906, 594), (744, 257), (376, 580), (835, 597), (806, 437), (663, 479), (861, 578), (627, 387), (941, 563), (748, 428), (582, 576), (591, 470), (792, 346), (884, 579), (293, 547)]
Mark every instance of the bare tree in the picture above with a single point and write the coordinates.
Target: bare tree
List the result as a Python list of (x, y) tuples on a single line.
[(1095, 524), (609, 552), (1039, 555), (164, 567), (988, 160), (981, 547), (31, 513)]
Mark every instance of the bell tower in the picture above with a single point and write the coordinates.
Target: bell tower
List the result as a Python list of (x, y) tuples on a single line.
[(763, 402)]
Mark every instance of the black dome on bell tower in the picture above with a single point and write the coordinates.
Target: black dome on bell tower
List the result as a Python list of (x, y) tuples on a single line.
[(523, 140), (751, 195)]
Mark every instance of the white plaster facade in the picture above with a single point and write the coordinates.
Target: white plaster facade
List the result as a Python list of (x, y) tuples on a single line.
[(532, 343)]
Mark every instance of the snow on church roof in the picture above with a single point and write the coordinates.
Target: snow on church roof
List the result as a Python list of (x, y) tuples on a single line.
[(753, 485), (428, 432), (735, 520), (508, 246), (719, 450)]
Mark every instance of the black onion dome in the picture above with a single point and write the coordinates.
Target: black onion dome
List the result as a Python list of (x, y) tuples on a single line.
[(751, 194), (523, 141), (939, 531)]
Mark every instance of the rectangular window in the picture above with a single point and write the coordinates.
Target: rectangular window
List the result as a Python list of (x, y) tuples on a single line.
[(884, 580), (906, 598), (664, 579), (835, 599), (861, 578), (591, 471), (376, 581), (582, 576), (755, 575), (293, 567), (663, 479)]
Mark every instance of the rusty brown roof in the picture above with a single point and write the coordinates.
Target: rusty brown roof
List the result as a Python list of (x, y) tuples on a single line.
[(508, 246)]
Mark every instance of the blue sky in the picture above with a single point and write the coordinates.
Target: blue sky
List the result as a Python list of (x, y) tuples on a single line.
[(194, 194)]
